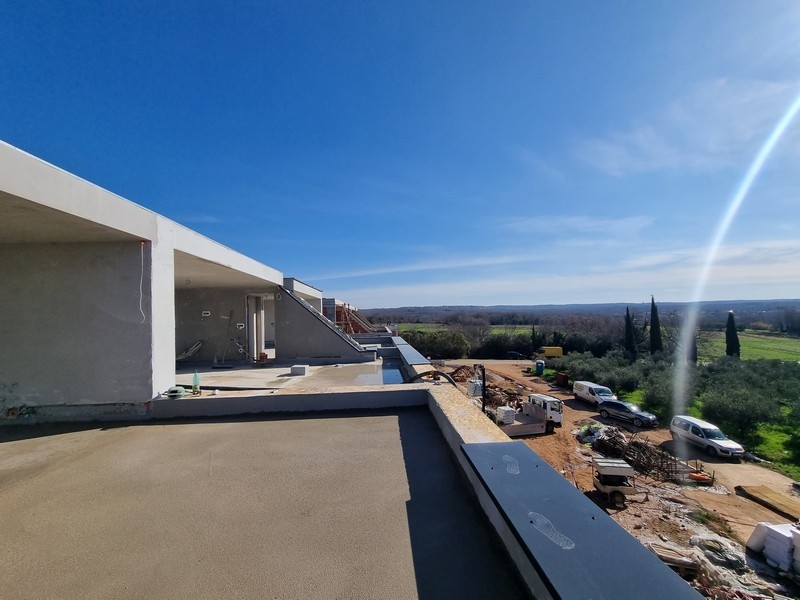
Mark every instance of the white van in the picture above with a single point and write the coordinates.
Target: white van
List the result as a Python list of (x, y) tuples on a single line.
[(705, 435), (544, 407), (592, 393)]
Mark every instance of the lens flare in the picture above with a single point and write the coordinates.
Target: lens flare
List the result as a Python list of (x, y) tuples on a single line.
[(688, 329)]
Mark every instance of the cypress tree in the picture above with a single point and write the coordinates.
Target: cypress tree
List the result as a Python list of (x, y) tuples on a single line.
[(732, 347), (656, 345), (630, 340)]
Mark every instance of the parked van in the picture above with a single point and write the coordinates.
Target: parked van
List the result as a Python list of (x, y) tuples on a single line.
[(551, 351), (592, 393), (705, 435)]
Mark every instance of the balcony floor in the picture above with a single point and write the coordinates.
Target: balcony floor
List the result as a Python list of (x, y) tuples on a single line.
[(319, 506)]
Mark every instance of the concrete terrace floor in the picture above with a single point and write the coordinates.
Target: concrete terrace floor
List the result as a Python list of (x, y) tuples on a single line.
[(277, 376), (331, 505)]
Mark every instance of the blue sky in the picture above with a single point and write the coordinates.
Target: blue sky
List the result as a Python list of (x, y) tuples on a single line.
[(433, 153)]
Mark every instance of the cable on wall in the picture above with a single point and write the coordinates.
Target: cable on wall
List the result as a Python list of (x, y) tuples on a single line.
[(141, 283)]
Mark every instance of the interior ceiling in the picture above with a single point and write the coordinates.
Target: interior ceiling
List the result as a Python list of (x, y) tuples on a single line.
[(24, 222)]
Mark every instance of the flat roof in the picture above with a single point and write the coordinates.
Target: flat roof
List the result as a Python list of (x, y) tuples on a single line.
[(367, 505)]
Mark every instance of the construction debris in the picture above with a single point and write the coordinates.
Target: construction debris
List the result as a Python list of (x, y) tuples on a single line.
[(642, 455), (462, 374)]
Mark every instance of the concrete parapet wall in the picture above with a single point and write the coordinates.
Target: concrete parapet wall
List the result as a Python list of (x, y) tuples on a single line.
[(461, 422), (338, 399)]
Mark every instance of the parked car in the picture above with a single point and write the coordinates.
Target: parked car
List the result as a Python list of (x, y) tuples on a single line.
[(627, 412), (705, 435), (516, 356)]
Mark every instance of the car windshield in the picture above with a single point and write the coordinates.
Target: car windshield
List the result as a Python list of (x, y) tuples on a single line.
[(714, 434), (604, 392)]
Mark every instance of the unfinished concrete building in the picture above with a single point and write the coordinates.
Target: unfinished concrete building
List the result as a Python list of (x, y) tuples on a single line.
[(93, 283)]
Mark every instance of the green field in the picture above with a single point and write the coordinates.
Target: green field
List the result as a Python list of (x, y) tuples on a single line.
[(424, 327), (710, 344), (754, 345)]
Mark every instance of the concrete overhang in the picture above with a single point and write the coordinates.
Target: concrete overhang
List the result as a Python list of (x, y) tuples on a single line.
[(206, 263), (305, 291), (42, 204)]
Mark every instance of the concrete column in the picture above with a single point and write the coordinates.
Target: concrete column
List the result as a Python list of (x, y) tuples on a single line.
[(161, 271)]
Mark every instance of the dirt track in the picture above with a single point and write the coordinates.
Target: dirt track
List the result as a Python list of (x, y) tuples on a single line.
[(649, 515)]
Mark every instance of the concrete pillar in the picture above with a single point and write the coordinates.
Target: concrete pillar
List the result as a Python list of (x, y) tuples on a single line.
[(161, 272)]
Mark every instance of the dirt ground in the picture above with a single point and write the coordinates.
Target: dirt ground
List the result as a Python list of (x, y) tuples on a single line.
[(660, 511)]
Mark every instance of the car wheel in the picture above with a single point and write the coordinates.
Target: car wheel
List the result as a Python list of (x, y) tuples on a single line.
[(550, 427), (711, 451), (674, 436), (637, 422), (604, 413), (617, 498)]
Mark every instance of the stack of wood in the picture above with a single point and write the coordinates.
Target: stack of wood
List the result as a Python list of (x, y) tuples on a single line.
[(645, 457)]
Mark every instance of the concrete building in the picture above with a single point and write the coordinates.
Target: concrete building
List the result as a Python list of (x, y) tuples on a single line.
[(93, 283)]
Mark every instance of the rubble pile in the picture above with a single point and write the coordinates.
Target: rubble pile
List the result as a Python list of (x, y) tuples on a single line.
[(718, 569), (499, 391), (463, 374)]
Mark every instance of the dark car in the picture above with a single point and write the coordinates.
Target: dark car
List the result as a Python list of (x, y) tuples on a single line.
[(627, 412), (516, 356)]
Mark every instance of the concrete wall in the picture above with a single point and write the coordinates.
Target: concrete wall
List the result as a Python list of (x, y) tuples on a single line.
[(225, 308), (301, 334), (74, 326), (338, 399)]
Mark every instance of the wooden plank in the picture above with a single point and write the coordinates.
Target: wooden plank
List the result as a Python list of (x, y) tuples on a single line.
[(774, 501)]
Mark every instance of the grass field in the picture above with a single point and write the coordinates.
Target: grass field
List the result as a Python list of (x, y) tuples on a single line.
[(711, 344), (424, 327), (754, 345)]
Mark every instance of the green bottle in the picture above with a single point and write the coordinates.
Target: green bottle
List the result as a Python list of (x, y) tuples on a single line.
[(196, 383)]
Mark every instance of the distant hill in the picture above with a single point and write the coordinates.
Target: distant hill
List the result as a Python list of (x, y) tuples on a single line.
[(777, 314)]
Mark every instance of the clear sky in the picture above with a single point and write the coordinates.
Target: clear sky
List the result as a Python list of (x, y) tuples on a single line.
[(411, 153)]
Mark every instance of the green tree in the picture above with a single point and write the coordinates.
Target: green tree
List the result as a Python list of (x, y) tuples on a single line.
[(739, 411), (630, 338), (537, 340), (732, 347), (656, 345)]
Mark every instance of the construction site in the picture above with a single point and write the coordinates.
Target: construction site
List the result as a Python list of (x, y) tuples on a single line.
[(696, 513)]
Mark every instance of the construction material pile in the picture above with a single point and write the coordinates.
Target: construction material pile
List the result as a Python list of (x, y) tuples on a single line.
[(717, 568), (499, 391), (463, 374), (640, 453)]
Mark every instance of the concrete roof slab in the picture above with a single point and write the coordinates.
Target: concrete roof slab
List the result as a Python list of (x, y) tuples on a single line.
[(365, 506)]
